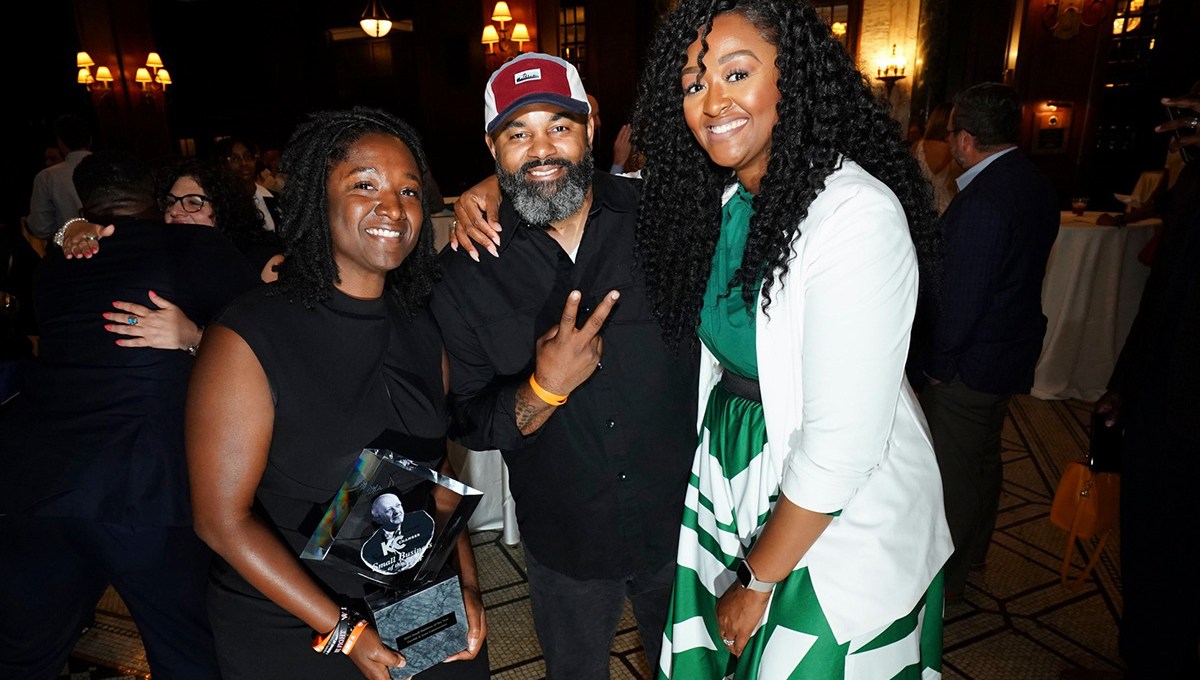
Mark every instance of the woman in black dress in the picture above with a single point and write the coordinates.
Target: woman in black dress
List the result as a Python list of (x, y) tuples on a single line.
[(296, 377)]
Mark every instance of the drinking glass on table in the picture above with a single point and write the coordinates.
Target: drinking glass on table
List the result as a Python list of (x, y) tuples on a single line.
[(1079, 204)]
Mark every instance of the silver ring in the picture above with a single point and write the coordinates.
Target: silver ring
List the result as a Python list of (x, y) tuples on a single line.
[(132, 321), (1194, 122), (92, 237), (728, 643), (454, 224)]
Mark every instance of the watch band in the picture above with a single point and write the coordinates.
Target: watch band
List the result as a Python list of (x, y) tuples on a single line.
[(749, 581)]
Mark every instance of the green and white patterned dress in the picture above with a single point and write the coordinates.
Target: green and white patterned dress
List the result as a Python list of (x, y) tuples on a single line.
[(733, 488)]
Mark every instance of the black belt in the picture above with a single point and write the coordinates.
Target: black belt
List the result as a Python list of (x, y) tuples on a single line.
[(741, 386)]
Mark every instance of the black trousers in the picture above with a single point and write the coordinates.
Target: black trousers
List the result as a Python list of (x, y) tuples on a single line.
[(576, 620), (54, 570), (966, 426)]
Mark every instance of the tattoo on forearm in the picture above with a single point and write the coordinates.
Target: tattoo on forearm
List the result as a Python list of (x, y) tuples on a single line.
[(529, 411)]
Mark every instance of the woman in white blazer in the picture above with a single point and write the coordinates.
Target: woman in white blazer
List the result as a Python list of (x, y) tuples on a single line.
[(785, 223)]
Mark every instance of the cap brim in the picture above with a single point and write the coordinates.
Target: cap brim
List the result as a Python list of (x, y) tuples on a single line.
[(568, 103)]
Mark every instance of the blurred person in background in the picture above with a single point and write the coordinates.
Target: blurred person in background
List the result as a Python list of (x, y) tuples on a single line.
[(933, 155), (54, 200), (240, 156), (1152, 394), (95, 490)]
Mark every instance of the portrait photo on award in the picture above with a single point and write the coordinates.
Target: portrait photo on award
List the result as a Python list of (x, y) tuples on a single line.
[(394, 522), (401, 539)]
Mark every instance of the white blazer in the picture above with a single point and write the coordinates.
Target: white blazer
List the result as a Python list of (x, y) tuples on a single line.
[(844, 429)]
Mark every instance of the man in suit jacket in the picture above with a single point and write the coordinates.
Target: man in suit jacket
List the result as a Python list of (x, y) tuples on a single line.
[(94, 489), (988, 329)]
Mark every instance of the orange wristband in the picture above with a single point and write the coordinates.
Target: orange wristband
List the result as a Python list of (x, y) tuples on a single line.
[(546, 396), (353, 637)]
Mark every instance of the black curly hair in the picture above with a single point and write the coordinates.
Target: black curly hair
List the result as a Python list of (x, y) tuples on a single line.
[(826, 112), (234, 211), (308, 272)]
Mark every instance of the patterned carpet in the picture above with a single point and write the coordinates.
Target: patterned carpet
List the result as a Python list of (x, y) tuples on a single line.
[(1015, 622)]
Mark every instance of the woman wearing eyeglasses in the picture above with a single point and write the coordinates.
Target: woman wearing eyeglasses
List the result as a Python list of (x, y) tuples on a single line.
[(198, 192)]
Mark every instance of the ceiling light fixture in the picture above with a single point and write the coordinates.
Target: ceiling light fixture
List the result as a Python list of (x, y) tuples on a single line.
[(375, 20)]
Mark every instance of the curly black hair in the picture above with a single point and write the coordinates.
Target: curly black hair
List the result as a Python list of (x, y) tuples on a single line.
[(234, 211), (826, 112), (308, 272)]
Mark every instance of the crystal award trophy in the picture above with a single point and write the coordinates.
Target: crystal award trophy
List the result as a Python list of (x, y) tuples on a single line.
[(394, 523)]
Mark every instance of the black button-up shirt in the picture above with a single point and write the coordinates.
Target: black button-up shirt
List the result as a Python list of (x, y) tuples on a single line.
[(599, 488)]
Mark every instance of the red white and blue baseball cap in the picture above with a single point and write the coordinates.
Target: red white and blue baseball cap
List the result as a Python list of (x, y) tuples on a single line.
[(532, 78)]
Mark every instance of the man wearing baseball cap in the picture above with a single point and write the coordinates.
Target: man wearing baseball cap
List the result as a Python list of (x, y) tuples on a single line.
[(557, 360)]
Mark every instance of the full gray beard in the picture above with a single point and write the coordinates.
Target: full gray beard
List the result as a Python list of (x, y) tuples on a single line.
[(547, 202)]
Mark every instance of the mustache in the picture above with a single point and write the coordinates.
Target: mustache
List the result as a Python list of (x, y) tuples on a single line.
[(549, 161)]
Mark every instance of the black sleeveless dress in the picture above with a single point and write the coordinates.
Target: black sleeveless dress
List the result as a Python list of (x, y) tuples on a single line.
[(344, 375)]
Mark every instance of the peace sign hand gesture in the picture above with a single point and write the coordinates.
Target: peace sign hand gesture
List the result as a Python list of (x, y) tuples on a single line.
[(566, 357)]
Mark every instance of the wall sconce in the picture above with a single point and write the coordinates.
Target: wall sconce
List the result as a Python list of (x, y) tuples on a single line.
[(493, 36), (153, 75), (891, 70), (1064, 17), (103, 76), (84, 62), (375, 20)]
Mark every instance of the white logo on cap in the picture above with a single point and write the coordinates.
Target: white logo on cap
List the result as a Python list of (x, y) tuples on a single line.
[(531, 74)]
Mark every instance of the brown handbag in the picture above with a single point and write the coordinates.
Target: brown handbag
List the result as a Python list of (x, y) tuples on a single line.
[(1086, 504)]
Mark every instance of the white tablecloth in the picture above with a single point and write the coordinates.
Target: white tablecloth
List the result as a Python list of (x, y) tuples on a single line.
[(486, 471), (1090, 295), (483, 470)]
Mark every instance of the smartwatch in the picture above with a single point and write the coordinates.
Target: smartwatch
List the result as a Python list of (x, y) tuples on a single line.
[(749, 581)]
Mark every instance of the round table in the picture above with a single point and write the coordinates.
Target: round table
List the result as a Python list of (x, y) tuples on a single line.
[(1090, 295)]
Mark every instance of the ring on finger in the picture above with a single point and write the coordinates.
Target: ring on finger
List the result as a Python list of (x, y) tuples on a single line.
[(132, 320), (728, 642), (90, 237), (1194, 122)]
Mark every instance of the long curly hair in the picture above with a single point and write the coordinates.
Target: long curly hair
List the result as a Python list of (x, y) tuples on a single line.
[(826, 112), (308, 272), (234, 211)]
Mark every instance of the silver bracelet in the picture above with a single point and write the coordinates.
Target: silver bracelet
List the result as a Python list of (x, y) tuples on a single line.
[(62, 231), (193, 348)]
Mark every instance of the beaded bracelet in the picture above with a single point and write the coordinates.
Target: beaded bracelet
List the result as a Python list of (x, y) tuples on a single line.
[(62, 231)]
